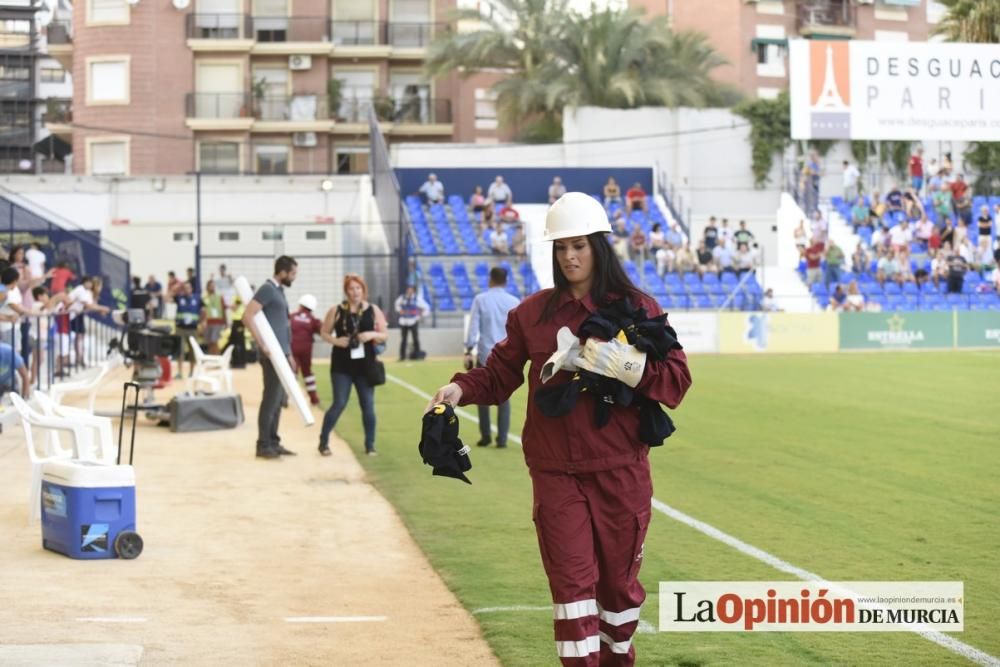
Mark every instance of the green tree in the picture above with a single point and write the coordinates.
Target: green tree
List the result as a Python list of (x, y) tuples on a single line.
[(558, 58), (976, 21), (770, 131)]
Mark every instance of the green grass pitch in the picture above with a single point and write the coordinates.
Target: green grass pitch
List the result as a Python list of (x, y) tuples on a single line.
[(852, 466)]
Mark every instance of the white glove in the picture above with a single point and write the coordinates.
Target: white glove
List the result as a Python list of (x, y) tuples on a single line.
[(613, 359), (567, 350)]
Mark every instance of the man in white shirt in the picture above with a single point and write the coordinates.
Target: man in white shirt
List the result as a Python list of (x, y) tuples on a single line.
[(36, 261), (900, 236), (432, 191), (851, 177), (500, 194), (12, 308)]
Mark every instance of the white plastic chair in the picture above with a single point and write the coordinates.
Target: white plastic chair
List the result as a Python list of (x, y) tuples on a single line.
[(31, 420), (100, 445), (211, 369), (59, 390)]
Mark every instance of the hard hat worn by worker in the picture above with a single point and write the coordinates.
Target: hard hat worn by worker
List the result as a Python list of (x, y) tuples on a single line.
[(575, 214), (308, 301)]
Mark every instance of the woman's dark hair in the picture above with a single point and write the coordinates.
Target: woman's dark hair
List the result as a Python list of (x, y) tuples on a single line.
[(608, 277)]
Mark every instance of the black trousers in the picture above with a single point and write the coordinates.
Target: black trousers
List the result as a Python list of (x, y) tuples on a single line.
[(270, 407), (416, 339)]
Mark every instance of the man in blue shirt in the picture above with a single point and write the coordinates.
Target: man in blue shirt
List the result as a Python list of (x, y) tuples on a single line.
[(488, 324), (10, 363), (189, 315), (432, 191)]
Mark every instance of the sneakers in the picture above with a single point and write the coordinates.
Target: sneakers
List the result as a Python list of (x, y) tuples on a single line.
[(324, 450)]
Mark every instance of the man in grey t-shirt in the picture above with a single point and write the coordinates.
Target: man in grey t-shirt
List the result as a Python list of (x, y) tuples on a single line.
[(270, 298)]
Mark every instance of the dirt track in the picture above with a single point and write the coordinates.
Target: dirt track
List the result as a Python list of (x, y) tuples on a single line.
[(234, 547)]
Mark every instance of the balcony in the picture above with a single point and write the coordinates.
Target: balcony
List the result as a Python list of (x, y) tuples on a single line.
[(58, 116), (383, 38), (284, 35), (219, 111), (219, 32), (411, 115), (294, 113), (59, 34), (826, 18)]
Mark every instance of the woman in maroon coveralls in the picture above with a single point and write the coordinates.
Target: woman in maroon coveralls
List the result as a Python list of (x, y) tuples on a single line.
[(592, 487)]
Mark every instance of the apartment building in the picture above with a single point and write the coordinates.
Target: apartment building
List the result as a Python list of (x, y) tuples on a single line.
[(18, 56), (257, 86), (753, 34)]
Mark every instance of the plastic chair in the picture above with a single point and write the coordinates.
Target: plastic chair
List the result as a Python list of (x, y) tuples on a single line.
[(100, 444), (211, 369), (60, 390), (31, 420)]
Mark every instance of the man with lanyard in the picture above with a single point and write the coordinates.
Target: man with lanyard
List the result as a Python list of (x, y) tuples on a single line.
[(270, 299), (189, 315), (487, 323)]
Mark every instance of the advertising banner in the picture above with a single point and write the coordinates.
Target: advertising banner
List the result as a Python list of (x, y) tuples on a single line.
[(896, 331), (894, 90), (978, 328), (697, 332), (778, 332)]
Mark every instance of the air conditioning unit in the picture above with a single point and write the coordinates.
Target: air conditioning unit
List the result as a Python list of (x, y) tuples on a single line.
[(300, 62), (304, 139)]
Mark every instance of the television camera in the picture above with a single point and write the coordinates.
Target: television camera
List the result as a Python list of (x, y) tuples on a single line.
[(141, 344)]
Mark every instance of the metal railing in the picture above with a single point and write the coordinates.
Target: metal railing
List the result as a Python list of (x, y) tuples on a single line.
[(292, 107), (219, 105), (407, 109), (819, 14), (290, 29), (59, 31), (357, 33), (218, 26), (412, 35)]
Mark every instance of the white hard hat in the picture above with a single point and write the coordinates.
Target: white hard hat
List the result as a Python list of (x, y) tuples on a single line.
[(308, 301), (575, 214)]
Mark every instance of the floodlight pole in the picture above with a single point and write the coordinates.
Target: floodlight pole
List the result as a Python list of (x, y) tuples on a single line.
[(197, 223)]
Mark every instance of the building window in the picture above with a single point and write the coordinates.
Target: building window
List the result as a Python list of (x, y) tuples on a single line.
[(183, 237), (270, 20), (229, 236), (219, 157), (351, 160), (271, 159), (272, 235), (15, 73), (486, 109), (109, 158), (107, 81), (319, 235), (107, 11), (53, 75)]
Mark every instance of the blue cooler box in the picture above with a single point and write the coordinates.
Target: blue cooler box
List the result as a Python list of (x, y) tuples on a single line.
[(88, 509)]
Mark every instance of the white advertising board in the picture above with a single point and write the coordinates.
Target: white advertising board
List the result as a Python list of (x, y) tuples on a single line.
[(929, 91)]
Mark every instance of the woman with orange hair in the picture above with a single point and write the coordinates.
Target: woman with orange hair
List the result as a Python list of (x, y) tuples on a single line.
[(354, 328)]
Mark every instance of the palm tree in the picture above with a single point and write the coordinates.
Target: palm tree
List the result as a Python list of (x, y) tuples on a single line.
[(971, 21), (557, 58)]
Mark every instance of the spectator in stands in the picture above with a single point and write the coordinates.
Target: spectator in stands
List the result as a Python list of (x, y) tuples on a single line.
[(61, 276), (917, 169), (767, 302), (487, 327), (855, 300), (12, 363), (961, 234), (478, 200), (498, 241), (851, 177), (948, 234), (637, 246), (36, 260), (984, 224), (934, 242), (410, 307), (684, 259), (801, 237), (983, 261), (810, 182), (860, 214), (660, 249), (932, 176), (509, 215), (912, 206), (923, 231), (84, 298), (189, 317), (706, 259), (657, 239), (961, 195), (834, 261), (674, 236), (612, 193), (942, 201), (621, 237), (905, 274), (820, 228), (432, 191), (887, 268), (838, 298), (518, 243), (966, 250), (939, 266), (500, 193), (723, 257), (957, 268), (743, 235), (556, 190), (636, 199), (814, 257), (894, 200), (711, 234), (877, 208), (860, 259), (726, 233), (744, 259), (900, 237)]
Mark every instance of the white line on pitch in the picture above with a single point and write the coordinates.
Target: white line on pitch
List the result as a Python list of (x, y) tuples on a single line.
[(939, 638), (111, 619), (334, 619)]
